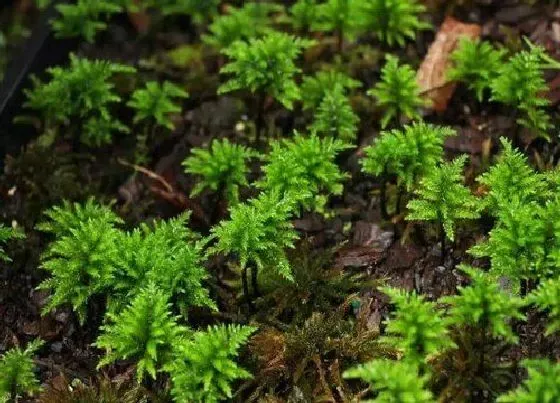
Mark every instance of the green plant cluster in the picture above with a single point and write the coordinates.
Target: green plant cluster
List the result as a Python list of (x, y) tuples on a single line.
[(248, 22), (152, 282), (8, 234), (18, 372), (513, 80), (64, 98)]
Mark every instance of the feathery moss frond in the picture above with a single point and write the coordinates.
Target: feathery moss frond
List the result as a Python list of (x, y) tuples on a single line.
[(145, 331), (393, 21), (156, 102), (512, 177), (416, 328), (394, 381), (17, 368), (222, 167), (483, 304), (314, 88), (442, 197), (476, 63), (258, 232), (203, 367), (335, 117), (65, 97), (398, 92), (542, 385), (408, 153), (304, 168), (265, 65)]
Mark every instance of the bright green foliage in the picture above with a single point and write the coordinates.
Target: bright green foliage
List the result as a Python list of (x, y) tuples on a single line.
[(304, 168), (204, 366), (65, 98), (341, 17), (258, 232), (483, 304), (393, 21), (511, 177), (416, 329), (81, 258), (166, 255), (303, 14), (394, 381), (314, 88), (7, 234), (520, 84), (408, 153), (250, 21), (145, 331), (547, 298), (266, 66), (515, 245), (476, 63), (398, 92), (542, 386), (443, 197), (335, 117), (156, 103), (17, 367), (85, 18), (222, 168)]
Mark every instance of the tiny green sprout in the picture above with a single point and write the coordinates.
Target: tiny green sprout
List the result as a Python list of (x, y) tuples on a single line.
[(86, 18), (222, 168), (303, 14), (257, 234), (145, 331), (398, 92), (406, 154), (204, 367), (515, 245), (17, 368), (81, 258), (393, 21), (547, 298), (314, 88), (250, 21), (511, 177), (476, 63), (416, 328), (8, 234), (342, 17), (335, 117), (65, 98), (521, 84), (267, 67), (304, 168), (542, 385), (442, 197), (156, 102), (393, 381), (484, 305)]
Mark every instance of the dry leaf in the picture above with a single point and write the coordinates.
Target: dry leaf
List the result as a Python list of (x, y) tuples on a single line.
[(432, 74)]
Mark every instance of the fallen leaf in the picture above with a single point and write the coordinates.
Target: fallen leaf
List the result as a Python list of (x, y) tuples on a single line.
[(432, 74)]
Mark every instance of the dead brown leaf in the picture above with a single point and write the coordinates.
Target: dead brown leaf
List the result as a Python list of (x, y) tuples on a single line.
[(432, 74)]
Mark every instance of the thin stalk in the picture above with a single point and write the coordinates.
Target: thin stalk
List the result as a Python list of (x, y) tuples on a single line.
[(259, 120), (245, 282), (442, 241), (254, 281), (383, 198), (339, 40)]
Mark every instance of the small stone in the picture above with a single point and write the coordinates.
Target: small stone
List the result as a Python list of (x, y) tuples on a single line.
[(56, 347)]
